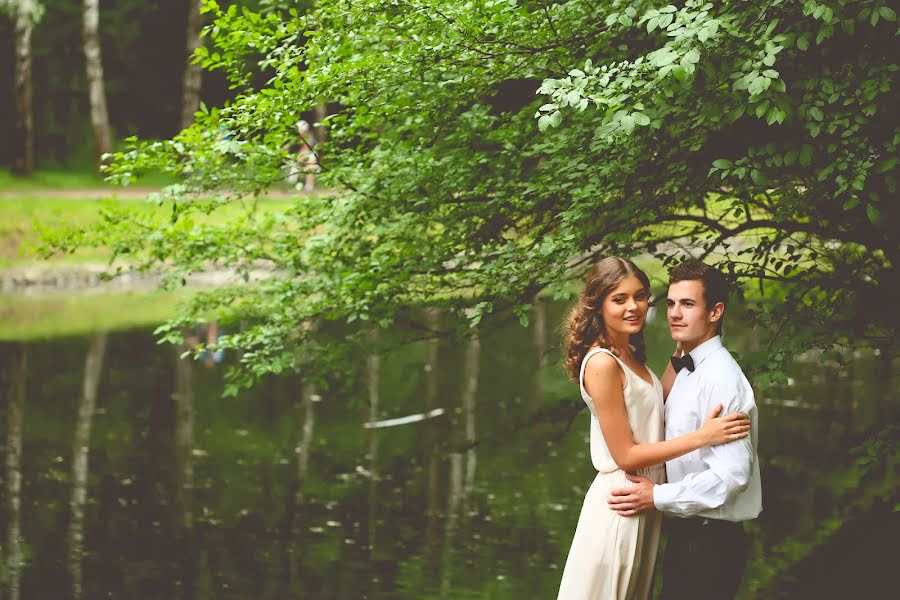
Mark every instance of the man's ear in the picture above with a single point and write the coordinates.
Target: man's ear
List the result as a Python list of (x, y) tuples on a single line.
[(718, 311)]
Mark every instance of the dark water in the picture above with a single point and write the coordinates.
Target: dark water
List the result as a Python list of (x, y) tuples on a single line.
[(191, 495)]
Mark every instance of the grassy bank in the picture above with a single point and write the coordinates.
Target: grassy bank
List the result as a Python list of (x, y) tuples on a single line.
[(65, 314), (24, 212), (44, 181)]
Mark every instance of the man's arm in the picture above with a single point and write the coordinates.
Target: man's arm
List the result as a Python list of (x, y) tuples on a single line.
[(728, 470), (728, 466)]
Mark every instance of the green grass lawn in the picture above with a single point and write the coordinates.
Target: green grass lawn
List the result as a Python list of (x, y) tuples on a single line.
[(42, 181), (23, 213)]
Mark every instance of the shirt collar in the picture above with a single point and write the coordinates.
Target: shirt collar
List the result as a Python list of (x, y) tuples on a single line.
[(700, 353)]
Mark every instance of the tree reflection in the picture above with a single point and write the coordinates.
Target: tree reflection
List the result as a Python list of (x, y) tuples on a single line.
[(15, 415), (183, 398), (373, 378), (432, 457), (470, 392), (86, 408)]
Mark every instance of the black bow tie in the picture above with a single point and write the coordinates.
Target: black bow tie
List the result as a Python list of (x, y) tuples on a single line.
[(683, 362)]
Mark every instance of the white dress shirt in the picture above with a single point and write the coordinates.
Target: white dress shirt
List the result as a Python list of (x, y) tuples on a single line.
[(718, 482)]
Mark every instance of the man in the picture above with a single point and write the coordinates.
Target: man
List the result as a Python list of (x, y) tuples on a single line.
[(710, 491)]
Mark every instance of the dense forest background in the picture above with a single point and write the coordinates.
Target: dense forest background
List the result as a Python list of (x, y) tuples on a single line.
[(143, 53)]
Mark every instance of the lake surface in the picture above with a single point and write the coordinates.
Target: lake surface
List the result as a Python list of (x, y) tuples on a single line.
[(164, 489)]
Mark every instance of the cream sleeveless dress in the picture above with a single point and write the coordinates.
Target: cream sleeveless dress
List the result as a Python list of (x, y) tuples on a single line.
[(612, 557)]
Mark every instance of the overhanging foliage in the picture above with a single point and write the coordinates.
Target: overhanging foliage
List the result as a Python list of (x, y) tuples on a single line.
[(486, 151)]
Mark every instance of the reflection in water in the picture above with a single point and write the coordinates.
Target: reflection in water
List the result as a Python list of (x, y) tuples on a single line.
[(304, 410), (432, 458), (86, 407), (292, 528), (453, 503), (470, 392), (887, 375), (539, 336), (497, 540), (304, 443), (183, 398), (460, 486), (17, 369), (373, 379)]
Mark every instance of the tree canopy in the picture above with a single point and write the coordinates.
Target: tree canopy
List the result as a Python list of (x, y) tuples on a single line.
[(485, 151)]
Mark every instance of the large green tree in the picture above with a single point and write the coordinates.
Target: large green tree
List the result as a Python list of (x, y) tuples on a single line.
[(484, 151)]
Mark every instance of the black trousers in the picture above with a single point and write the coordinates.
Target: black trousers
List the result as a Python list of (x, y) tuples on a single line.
[(704, 559)]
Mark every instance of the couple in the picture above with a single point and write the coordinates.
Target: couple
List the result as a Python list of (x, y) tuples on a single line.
[(711, 465)]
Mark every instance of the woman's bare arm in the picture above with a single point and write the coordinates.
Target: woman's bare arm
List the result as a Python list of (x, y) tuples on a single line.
[(603, 382)]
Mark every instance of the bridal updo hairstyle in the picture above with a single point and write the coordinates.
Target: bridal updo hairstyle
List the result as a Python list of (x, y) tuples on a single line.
[(584, 326)]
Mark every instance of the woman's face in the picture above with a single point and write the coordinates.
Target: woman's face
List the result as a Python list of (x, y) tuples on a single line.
[(625, 307)]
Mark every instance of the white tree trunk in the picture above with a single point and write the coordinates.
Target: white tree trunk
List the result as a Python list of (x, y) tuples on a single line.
[(96, 92), (86, 408), (192, 80), (23, 137)]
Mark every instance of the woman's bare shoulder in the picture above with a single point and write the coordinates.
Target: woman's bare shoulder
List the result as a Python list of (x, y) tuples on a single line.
[(601, 367)]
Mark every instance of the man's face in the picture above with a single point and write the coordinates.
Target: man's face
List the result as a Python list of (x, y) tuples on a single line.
[(690, 321)]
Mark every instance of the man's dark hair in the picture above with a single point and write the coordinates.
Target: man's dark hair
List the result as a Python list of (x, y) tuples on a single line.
[(715, 286)]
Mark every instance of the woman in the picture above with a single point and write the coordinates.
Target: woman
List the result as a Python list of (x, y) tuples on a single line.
[(612, 557)]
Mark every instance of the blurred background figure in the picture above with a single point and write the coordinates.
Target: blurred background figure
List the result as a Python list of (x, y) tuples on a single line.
[(206, 338), (307, 162)]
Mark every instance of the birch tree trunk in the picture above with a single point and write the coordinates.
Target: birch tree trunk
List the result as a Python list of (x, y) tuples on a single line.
[(81, 449), (96, 93), (320, 112), (193, 75), (15, 414), (23, 135)]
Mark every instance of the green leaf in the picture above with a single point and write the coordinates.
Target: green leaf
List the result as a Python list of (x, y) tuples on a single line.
[(722, 163), (873, 213), (692, 56)]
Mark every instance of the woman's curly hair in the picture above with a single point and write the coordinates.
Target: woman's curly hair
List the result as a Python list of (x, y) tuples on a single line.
[(584, 327)]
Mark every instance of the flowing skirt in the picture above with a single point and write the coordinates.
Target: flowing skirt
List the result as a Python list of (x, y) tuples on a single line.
[(612, 557)]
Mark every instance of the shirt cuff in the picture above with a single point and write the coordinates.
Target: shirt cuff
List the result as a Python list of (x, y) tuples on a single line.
[(663, 496)]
